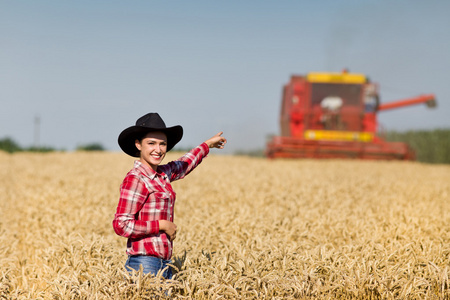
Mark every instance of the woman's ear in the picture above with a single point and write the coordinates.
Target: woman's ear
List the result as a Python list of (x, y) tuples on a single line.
[(138, 145)]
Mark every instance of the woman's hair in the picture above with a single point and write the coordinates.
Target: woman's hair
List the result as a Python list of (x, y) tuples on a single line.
[(140, 136)]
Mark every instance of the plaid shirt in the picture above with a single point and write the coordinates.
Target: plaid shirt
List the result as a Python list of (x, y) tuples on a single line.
[(147, 196)]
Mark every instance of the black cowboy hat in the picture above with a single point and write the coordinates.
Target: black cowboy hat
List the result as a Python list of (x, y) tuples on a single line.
[(145, 124)]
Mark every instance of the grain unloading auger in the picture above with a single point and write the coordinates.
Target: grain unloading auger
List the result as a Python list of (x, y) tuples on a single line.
[(334, 115)]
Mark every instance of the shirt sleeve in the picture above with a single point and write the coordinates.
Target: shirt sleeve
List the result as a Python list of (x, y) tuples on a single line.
[(181, 167), (133, 195)]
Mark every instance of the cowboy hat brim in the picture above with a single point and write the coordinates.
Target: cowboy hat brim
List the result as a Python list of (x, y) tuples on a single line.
[(129, 135)]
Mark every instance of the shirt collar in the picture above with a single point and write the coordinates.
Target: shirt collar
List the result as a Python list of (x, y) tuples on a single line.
[(147, 171)]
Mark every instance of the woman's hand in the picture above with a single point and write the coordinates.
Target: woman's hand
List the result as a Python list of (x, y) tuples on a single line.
[(169, 228), (217, 141)]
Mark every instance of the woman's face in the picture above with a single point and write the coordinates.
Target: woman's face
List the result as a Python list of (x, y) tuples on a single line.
[(153, 148)]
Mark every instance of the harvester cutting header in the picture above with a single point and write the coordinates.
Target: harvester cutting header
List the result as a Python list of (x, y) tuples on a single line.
[(334, 115)]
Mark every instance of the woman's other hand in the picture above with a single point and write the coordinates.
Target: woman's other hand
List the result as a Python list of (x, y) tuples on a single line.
[(169, 228)]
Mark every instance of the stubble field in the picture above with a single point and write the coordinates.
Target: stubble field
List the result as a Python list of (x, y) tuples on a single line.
[(249, 228)]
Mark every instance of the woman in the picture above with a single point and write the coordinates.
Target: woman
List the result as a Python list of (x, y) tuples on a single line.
[(145, 211)]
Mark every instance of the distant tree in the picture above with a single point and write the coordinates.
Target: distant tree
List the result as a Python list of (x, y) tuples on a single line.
[(431, 146), (9, 145), (252, 153), (91, 147), (182, 149), (40, 149)]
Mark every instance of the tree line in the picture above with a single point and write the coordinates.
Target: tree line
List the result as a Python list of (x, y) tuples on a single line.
[(431, 146), (9, 145)]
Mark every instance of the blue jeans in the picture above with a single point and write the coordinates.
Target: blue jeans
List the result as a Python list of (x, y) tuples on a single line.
[(150, 264)]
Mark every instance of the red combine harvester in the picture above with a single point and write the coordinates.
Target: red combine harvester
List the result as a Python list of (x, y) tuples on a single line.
[(334, 115)]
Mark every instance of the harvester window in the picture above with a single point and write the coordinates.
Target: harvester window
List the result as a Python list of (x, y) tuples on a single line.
[(371, 103), (349, 93), (371, 100)]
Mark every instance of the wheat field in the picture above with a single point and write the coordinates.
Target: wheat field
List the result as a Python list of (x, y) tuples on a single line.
[(248, 228)]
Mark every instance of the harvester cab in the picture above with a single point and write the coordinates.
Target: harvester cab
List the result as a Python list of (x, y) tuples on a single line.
[(333, 115)]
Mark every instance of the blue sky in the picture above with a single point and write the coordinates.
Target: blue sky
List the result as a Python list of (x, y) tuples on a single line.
[(89, 69)]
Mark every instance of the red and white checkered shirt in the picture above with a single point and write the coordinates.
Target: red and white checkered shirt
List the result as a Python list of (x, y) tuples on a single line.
[(147, 196)]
